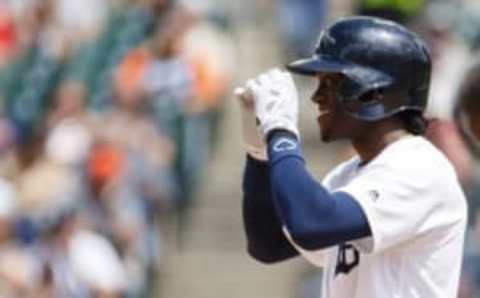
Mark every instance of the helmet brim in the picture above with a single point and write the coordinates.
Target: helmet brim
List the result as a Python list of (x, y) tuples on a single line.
[(366, 77), (317, 65)]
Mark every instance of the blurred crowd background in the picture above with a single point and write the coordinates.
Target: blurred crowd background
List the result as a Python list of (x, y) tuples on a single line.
[(109, 111), (117, 126)]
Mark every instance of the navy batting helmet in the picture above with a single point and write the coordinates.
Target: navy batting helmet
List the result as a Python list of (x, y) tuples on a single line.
[(387, 67)]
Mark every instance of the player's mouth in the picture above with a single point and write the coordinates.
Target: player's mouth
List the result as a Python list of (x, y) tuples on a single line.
[(322, 113), (321, 116)]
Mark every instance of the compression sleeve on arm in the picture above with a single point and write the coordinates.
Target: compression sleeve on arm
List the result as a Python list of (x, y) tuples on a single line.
[(314, 217), (265, 239)]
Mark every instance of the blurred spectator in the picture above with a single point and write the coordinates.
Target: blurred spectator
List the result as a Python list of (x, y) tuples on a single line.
[(8, 34), (209, 52), (17, 265), (131, 111), (467, 119), (467, 107), (401, 11), (164, 61), (79, 262), (171, 96), (467, 18), (450, 57), (80, 20), (70, 126), (300, 22), (30, 170), (126, 30)]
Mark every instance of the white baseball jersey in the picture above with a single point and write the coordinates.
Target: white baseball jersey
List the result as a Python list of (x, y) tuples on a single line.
[(417, 213)]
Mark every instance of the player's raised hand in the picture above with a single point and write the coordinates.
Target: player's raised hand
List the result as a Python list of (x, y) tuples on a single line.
[(276, 101), (253, 143)]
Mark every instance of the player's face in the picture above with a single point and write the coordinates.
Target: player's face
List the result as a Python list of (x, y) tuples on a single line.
[(334, 123)]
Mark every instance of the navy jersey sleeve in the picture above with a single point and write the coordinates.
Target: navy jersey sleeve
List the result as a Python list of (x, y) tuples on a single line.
[(314, 217), (265, 239)]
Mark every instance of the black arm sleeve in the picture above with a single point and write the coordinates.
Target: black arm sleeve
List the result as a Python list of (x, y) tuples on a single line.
[(265, 239), (314, 217)]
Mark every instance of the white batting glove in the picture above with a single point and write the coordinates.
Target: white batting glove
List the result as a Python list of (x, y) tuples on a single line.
[(276, 101), (252, 140)]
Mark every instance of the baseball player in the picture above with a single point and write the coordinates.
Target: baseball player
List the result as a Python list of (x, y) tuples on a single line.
[(390, 221)]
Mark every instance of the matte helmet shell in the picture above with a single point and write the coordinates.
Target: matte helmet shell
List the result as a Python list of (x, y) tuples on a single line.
[(379, 58)]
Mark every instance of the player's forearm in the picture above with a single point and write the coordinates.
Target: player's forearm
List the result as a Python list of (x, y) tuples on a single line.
[(314, 217), (265, 239)]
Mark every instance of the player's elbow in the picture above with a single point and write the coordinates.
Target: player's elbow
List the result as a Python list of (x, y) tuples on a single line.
[(264, 259), (320, 238), (264, 256)]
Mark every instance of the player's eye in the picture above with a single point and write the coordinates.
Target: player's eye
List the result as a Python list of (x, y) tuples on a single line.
[(326, 83)]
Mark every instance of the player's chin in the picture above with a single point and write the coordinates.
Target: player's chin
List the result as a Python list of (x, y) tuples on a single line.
[(325, 128), (329, 134), (326, 139), (325, 136)]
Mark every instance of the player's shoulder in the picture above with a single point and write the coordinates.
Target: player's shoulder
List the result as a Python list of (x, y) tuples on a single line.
[(411, 159), (416, 156), (341, 173)]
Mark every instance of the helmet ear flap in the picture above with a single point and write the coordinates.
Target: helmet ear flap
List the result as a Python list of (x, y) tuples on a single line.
[(374, 95), (356, 94), (368, 105), (348, 93), (350, 89)]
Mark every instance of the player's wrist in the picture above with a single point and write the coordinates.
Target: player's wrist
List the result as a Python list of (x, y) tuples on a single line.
[(256, 161), (280, 133), (283, 144), (273, 124)]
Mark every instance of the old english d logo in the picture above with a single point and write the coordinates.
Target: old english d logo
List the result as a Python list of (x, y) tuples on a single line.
[(347, 259)]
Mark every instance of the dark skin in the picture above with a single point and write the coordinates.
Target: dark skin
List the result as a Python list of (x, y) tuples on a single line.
[(367, 138)]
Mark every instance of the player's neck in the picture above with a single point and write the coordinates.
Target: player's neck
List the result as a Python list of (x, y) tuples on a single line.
[(369, 146)]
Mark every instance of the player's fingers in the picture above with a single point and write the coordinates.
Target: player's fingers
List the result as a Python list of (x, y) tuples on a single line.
[(244, 96), (252, 85), (239, 91)]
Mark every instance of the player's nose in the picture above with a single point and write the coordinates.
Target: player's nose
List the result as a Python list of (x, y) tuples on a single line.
[(320, 98)]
